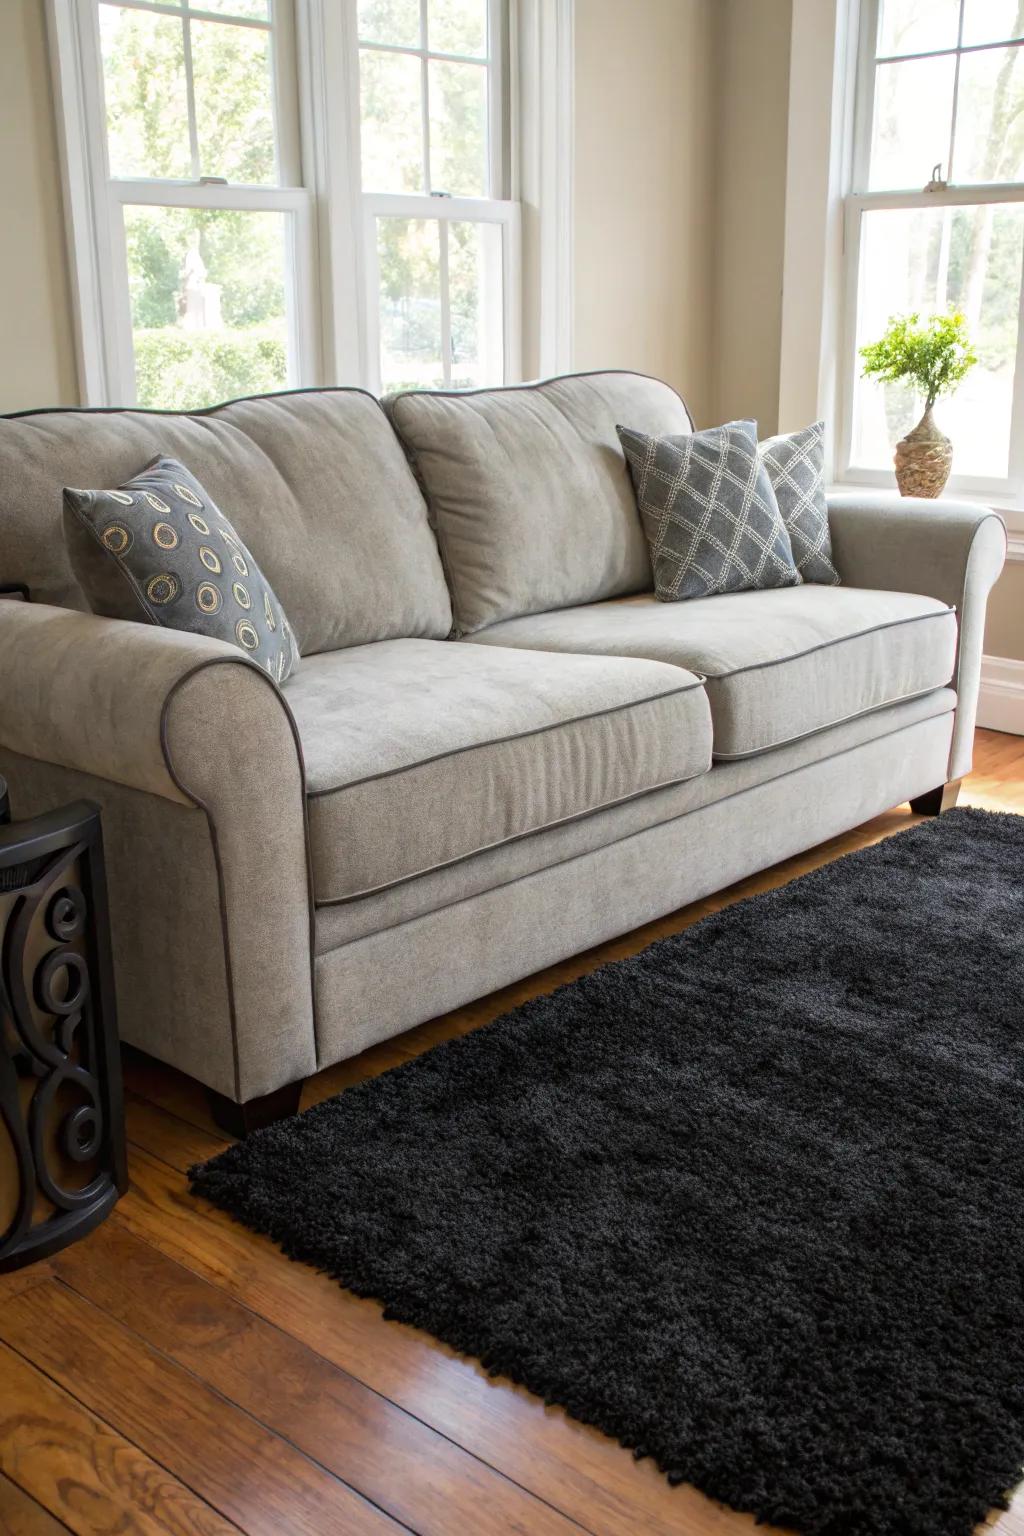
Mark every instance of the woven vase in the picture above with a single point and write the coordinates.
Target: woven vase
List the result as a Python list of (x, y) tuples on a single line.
[(923, 459)]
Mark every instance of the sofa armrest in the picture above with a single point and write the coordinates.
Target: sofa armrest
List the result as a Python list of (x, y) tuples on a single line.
[(189, 720), (95, 694), (950, 550)]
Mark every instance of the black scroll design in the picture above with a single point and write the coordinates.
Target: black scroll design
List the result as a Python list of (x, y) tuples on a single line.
[(60, 1091)]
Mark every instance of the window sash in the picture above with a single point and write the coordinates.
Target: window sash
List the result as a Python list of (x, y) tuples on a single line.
[(303, 348), (444, 210), (867, 65), (859, 202), (1010, 486), (493, 65), (281, 29), (96, 202)]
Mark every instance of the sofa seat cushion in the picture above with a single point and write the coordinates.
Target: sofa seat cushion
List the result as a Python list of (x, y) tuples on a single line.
[(419, 753), (778, 664)]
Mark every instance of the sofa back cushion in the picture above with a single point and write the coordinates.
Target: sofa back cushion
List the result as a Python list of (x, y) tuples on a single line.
[(529, 490), (313, 480)]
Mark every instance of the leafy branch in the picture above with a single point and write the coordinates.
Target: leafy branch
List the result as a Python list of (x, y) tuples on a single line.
[(935, 354)]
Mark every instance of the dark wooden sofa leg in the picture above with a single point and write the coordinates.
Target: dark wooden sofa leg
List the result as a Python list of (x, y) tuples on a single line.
[(240, 1120), (935, 801)]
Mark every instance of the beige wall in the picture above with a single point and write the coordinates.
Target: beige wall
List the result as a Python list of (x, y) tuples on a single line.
[(751, 70), (1004, 631), (680, 128), (643, 191), (37, 364)]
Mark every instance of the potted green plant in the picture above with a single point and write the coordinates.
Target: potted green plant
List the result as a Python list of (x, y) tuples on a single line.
[(934, 355)]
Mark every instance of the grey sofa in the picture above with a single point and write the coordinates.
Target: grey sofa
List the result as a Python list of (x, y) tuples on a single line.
[(429, 811)]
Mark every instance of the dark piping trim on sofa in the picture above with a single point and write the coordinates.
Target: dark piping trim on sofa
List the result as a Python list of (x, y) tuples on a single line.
[(778, 661), (498, 741)]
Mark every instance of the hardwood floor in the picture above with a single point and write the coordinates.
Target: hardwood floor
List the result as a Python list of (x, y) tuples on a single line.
[(174, 1373)]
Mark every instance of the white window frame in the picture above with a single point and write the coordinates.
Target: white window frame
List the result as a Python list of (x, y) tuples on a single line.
[(333, 300), (498, 208), (949, 195), (820, 239), (95, 202), (445, 210)]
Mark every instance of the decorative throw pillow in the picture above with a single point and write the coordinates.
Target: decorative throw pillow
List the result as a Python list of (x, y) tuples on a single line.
[(709, 512), (796, 468), (159, 549)]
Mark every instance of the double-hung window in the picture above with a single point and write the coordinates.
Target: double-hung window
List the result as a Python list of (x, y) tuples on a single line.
[(195, 263), (441, 231), (215, 257), (936, 220)]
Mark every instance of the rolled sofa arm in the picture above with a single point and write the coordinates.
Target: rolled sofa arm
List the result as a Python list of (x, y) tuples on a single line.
[(190, 720), (950, 550)]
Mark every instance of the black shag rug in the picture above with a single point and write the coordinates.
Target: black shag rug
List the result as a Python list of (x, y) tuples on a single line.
[(750, 1202)]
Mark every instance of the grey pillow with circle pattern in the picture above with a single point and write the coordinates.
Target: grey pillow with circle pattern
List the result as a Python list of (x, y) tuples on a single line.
[(159, 549)]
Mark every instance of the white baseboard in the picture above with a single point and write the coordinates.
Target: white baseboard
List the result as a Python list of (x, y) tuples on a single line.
[(1001, 699)]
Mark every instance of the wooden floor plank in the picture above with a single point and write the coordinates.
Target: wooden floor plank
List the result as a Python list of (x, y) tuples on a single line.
[(84, 1473), (250, 1476), (20, 1515), (572, 1467), (211, 1348), (354, 1432)]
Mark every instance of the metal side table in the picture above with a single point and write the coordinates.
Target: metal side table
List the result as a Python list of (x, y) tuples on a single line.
[(62, 1152)]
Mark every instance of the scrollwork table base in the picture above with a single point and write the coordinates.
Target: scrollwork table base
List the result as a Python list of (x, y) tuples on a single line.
[(62, 1153)]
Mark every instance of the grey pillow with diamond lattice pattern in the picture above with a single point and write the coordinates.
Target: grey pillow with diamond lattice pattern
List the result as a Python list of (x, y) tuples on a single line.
[(795, 463), (710, 514)]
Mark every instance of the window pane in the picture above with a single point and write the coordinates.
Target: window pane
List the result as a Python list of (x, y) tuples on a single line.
[(475, 302), (458, 128), (913, 113), (409, 254), (990, 117), (234, 96), (991, 21), (145, 92), (209, 318), (390, 21), (390, 93), (917, 26), (457, 26), (924, 260)]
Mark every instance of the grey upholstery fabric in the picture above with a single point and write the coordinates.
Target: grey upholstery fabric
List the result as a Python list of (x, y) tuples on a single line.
[(314, 481), (171, 975), (795, 462), (372, 989), (709, 512), (951, 550), (343, 922), (192, 721), (779, 664), (529, 490), (420, 753), (191, 751), (158, 549)]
